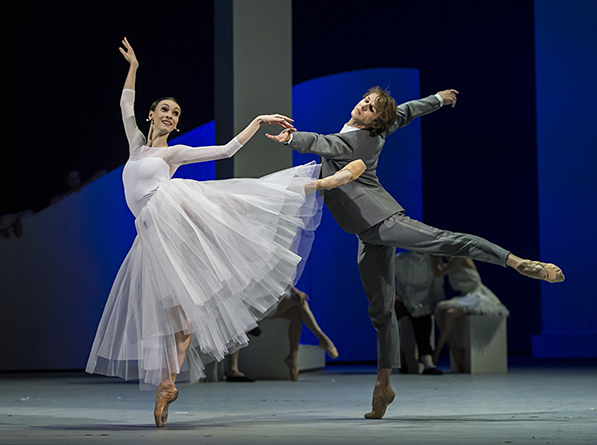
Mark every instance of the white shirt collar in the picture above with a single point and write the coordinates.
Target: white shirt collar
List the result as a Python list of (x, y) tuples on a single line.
[(348, 128)]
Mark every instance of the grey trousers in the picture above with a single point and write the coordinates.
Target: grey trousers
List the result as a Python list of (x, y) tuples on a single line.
[(376, 265)]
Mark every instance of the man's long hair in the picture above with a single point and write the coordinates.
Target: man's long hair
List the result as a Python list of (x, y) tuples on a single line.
[(387, 107)]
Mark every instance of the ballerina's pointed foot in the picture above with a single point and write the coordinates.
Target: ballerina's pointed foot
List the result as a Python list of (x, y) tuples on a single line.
[(348, 174), (329, 347), (292, 367), (380, 404), (459, 354), (541, 271), (164, 397)]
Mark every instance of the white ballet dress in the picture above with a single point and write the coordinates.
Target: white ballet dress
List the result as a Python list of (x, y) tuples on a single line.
[(210, 259), (476, 298)]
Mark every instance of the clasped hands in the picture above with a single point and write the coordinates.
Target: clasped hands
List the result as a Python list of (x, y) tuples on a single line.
[(284, 135), (282, 121)]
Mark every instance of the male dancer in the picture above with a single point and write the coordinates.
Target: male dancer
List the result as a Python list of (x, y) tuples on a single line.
[(365, 208)]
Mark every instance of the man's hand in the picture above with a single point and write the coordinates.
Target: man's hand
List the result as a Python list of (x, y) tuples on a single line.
[(449, 97), (284, 136)]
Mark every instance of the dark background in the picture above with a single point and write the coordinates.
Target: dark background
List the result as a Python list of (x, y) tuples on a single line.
[(64, 75)]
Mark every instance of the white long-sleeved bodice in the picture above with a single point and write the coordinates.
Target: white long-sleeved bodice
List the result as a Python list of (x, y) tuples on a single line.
[(141, 180), (149, 167)]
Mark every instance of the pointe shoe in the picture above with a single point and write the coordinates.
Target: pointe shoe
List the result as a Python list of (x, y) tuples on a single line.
[(160, 413), (291, 363), (356, 168), (329, 347), (541, 271), (380, 404)]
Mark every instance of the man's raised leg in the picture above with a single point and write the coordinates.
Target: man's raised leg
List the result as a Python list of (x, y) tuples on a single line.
[(401, 231)]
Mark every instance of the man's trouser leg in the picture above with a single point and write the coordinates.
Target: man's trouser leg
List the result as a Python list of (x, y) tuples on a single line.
[(400, 231), (376, 265)]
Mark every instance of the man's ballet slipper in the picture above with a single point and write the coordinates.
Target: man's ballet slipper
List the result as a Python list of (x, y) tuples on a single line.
[(380, 404), (356, 168), (541, 271)]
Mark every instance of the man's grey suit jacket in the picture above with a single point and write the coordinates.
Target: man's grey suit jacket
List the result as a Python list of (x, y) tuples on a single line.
[(364, 202)]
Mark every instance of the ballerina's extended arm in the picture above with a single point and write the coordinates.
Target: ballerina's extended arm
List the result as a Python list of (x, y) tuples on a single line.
[(183, 154), (134, 135), (129, 55)]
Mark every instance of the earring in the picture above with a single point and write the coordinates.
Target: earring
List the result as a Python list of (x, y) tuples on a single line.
[(177, 130), (147, 120)]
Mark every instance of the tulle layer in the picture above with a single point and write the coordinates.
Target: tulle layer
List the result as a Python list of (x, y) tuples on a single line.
[(210, 259), (481, 301)]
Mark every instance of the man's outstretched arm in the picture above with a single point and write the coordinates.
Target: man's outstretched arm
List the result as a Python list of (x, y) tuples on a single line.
[(417, 108), (328, 146)]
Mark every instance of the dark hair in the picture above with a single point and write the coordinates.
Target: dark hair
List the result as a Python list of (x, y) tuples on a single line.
[(155, 104), (386, 105)]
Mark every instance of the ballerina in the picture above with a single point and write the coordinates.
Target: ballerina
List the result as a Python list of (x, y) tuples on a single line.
[(209, 257), (475, 299)]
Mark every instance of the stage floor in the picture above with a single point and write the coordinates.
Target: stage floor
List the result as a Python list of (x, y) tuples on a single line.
[(537, 402)]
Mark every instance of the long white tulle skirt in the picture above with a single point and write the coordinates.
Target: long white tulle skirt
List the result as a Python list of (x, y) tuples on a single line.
[(210, 259), (480, 301)]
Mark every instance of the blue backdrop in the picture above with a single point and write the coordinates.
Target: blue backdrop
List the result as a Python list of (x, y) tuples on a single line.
[(566, 64)]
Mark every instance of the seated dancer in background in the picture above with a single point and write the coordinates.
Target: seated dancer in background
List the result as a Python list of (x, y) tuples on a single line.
[(475, 299), (418, 288), (294, 307), (209, 259), (366, 209)]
